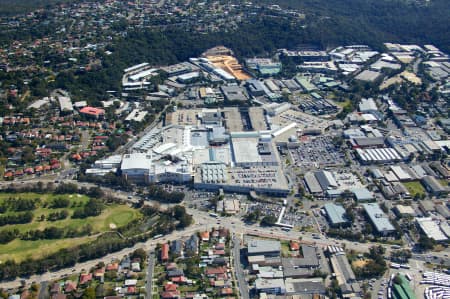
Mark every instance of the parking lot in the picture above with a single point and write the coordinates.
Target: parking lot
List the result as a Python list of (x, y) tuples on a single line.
[(296, 219), (315, 152)]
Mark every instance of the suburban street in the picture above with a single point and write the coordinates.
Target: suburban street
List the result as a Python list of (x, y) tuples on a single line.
[(151, 265), (242, 284)]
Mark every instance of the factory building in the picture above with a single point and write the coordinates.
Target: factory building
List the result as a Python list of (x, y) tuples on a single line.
[(270, 286), (335, 214), (266, 248), (344, 274), (378, 155), (433, 186), (312, 183), (326, 180), (431, 228), (378, 218)]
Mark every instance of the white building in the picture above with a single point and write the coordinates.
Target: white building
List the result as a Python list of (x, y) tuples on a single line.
[(136, 167)]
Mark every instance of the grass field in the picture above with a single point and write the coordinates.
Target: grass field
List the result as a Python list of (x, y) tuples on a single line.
[(343, 104), (414, 188), (113, 216), (20, 250)]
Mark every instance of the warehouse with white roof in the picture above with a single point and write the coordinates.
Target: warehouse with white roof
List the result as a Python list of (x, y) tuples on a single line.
[(378, 218), (431, 228)]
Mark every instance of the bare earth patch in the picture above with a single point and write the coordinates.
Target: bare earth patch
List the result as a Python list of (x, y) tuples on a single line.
[(359, 263)]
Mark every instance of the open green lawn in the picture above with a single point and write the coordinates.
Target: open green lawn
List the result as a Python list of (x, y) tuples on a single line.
[(189, 288), (113, 216), (20, 250), (443, 182), (343, 104), (285, 250), (414, 188)]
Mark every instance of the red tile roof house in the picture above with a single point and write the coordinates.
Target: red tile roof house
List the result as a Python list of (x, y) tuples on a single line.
[(226, 291), (170, 287), (55, 289), (8, 174), (93, 112), (131, 290), (204, 236), (165, 252), (171, 295), (219, 252), (178, 279), (112, 267), (223, 276), (294, 246), (171, 266), (25, 294), (211, 272), (70, 286), (85, 278), (29, 170), (99, 273), (189, 295)]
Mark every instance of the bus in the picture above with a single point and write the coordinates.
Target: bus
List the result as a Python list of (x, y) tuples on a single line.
[(213, 215)]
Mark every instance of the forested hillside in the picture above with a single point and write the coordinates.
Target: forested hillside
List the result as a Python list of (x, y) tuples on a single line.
[(11, 7), (406, 21), (337, 21)]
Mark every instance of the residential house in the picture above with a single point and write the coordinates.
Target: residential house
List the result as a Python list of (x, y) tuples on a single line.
[(70, 286), (165, 252), (176, 247), (136, 267), (85, 278), (191, 246), (204, 236)]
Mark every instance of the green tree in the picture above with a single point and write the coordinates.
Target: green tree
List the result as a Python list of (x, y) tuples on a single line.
[(89, 293)]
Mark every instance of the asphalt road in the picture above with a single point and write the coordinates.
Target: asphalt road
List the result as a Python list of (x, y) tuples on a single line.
[(43, 290), (242, 284), (151, 265)]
